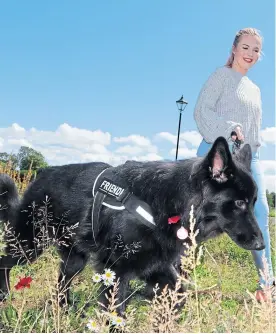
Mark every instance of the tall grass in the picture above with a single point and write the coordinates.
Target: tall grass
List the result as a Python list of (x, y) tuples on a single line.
[(220, 280), (21, 181)]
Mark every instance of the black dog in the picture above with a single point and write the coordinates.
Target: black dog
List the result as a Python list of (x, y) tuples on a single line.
[(220, 188)]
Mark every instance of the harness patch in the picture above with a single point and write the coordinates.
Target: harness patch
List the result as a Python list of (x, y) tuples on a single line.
[(108, 187), (116, 195)]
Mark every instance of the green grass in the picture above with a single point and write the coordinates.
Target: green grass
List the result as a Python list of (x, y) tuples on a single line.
[(220, 301), (225, 268), (272, 212)]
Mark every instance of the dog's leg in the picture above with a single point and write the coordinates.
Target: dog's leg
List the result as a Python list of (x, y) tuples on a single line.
[(73, 262), (122, 296), (18, 253), (6, 264), (164, 276)]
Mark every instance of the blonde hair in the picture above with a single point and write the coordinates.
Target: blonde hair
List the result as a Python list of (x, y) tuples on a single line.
[(239, 34)]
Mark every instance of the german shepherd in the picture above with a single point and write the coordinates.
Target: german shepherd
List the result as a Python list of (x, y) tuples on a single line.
[(219, 186)]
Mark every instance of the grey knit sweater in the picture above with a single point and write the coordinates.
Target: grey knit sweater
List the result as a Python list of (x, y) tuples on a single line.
[(226, 100)]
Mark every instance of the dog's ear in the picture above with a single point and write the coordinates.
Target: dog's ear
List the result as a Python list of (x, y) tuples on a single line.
[(217, 164), (244, 156), (219, 160)]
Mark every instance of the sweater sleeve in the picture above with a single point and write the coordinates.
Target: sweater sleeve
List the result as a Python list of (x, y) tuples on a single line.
[(259, 121), (261, 108), (209, 124)]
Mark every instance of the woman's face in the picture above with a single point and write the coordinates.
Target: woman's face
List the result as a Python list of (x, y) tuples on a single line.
[(247, 52)]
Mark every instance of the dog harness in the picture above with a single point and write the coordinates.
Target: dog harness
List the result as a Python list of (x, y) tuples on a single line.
[(111, 190)]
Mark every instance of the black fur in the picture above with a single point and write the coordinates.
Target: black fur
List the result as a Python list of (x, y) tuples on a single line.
[(221, 190), (9, 199)]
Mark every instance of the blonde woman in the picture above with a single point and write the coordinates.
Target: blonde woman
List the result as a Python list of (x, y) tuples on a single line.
[(229, 102)]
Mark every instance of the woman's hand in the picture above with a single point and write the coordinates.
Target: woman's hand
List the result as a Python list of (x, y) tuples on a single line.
[(239, 133)]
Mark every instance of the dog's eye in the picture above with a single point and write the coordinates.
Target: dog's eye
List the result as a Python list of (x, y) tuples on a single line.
[(240, 204)]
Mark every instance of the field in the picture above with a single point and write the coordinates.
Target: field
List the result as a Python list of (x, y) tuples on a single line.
[(220, 296)]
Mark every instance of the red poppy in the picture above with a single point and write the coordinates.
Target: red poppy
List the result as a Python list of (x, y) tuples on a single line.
[(24, 282)]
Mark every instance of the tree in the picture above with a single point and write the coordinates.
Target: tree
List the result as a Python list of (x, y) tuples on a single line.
[(28, 156), (270, 199), (272, 196), (9, 157)]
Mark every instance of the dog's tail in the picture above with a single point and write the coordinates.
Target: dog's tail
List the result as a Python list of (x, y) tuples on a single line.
[(9, 199)]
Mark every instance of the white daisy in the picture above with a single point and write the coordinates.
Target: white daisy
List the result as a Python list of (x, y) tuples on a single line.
[(108, 277), (108, 283), (118, 321), (92, 325), (97, 278), (113, 314)]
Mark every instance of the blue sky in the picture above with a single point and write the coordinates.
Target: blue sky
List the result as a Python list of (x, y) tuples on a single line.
[(118, 65)]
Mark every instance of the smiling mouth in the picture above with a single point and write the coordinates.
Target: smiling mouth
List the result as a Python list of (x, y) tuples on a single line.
[(248, 60)]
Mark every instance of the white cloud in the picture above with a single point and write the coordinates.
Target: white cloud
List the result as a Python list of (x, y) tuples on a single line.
[(148, 157), (268, 166), (13, 132), (64, 136), (69, 144), (269, 170), (270, 182), (184, 153), (18, 142), (133, 139), (71, 134), (129, 149), (167, 136), (138, 145), (268, 135), (191, 137)]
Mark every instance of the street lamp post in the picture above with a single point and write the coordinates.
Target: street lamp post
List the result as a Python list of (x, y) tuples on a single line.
[(181, 105)]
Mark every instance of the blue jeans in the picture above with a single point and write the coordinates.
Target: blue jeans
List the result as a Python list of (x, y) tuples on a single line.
[(261, 211)]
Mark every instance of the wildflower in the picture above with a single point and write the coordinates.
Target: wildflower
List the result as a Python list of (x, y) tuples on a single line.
[(108, 277), (24, 282), (118, 321), (113, 314), (92, 325), (107, 283), (97, 278)]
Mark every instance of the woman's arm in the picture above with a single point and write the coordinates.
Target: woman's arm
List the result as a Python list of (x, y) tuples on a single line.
[(208, 122)]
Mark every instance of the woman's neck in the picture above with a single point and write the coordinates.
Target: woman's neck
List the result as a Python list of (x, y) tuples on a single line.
[(235, 67)]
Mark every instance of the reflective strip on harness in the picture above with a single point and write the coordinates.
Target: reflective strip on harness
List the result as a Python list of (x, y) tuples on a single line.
[(145, 214), (116, 195)]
